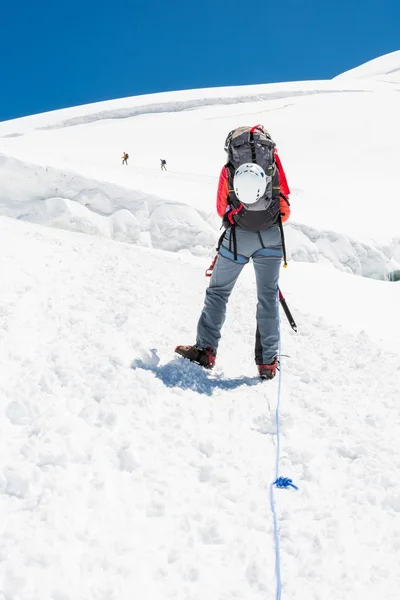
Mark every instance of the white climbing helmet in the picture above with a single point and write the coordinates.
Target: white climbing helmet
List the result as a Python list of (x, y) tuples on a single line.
[(249, 183)]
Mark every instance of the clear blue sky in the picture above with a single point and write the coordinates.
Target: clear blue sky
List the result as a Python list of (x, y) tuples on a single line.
[(57, 54)]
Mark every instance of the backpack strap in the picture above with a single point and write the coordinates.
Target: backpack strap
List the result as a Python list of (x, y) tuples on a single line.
[(282, 233), (233, 212), (283, 241), (234, 241), (252, 146), (221, 239)]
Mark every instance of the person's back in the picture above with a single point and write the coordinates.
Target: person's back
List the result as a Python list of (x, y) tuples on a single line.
[(252, 201)]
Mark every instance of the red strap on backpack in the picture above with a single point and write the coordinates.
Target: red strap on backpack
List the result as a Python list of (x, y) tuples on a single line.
[(261, 127), (235, 211)]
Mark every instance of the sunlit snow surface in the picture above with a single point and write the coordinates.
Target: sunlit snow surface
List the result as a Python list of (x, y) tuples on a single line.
[(127, 473), (338, 140)]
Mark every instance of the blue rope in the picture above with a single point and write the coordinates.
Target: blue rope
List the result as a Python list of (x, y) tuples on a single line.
[(284, 482), (280, 482)]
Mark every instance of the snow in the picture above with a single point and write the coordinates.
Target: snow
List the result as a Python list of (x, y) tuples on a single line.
[(120, 481), (126, 472), (339, 148), (383, 69)]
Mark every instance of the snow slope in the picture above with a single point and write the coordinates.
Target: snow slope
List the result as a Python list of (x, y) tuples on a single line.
[(383, 69), (338, 140), (125, 472)]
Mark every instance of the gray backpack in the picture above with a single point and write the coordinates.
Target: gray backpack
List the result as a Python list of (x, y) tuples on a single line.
[(246, 145)]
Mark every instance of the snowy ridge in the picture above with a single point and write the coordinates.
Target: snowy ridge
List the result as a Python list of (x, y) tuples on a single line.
[(382, 69), (340, 151), (149, 109), (67, 200), (170, 102), (344, 253)]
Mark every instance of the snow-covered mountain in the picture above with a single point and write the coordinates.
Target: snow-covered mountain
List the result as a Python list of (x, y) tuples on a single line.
[(383, 69), (127, 473), (339, 141)]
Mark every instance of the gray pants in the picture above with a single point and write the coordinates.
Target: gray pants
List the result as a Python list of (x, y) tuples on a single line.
[(265, 249)]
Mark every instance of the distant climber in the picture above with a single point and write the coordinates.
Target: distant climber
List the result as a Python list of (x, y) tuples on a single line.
[(163, 164), (125, 157)]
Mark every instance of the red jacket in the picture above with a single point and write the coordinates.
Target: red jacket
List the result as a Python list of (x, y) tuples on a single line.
[(223, 190)]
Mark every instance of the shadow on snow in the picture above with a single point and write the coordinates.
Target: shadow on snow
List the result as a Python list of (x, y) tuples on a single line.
[(189, 376)]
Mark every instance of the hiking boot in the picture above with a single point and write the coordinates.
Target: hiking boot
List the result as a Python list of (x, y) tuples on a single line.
[(268, 371), (204, 357)]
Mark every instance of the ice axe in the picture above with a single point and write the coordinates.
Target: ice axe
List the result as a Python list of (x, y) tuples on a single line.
[(286, 310)]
